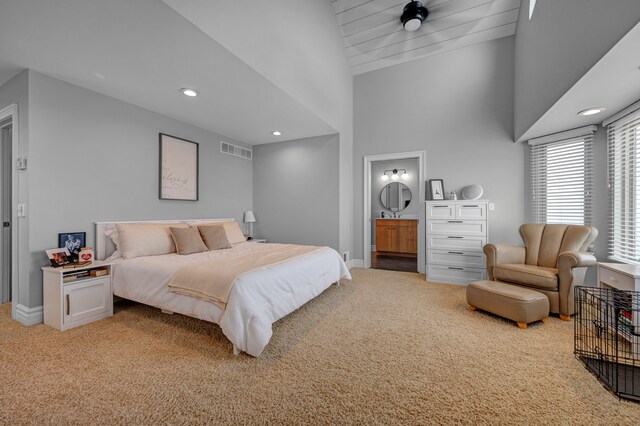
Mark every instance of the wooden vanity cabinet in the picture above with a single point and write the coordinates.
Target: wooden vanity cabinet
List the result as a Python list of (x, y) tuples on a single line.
[(397, 237)]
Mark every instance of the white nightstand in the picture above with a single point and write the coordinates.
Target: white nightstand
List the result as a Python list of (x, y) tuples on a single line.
[(70, 302), (258, 240)]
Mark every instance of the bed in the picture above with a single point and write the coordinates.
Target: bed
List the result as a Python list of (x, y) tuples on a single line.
[(256, 300)]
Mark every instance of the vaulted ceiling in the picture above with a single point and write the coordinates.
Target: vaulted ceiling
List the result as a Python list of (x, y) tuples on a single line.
[(374, 37)]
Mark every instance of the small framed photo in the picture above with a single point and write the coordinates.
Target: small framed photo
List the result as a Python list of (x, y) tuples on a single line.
[(73, 242), (59, 257), (437, 189)]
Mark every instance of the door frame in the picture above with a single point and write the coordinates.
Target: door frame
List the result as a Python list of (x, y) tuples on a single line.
[(12, 112), (421, 156)]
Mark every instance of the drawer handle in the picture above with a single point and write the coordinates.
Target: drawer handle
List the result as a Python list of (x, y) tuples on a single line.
[(472, 206), (457, 269), (68, 305), (456, 252), (454, 221), (455, 237), (439, 207)]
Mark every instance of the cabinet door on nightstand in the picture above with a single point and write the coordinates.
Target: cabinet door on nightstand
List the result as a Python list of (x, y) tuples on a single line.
[(86, 299)]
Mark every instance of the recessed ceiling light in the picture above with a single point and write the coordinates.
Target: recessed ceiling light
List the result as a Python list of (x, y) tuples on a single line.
[(591, 111), (276, 133), (189, 92)]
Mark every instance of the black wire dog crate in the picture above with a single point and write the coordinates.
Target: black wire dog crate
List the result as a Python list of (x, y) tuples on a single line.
[(607, 337)]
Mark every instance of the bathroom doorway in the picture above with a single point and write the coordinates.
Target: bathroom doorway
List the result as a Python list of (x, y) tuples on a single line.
[(394, 206)]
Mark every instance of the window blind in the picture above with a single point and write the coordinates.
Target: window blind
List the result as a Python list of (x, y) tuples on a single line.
[(623, 138), (562, 181)]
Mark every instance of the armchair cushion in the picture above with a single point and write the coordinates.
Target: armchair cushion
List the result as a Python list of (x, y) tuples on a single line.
[(531, 276)]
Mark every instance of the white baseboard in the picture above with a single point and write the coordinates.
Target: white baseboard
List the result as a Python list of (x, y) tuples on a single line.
[(29, 316), (355, 263)]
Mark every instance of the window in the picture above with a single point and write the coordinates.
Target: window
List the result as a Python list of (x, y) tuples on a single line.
[(623, 138), (561, 178)]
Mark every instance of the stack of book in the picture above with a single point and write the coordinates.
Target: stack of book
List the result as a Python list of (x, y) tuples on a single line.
[(72, 276)]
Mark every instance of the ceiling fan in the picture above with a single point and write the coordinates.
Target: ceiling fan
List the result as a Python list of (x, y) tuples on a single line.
[(375, 29), (413, 15)]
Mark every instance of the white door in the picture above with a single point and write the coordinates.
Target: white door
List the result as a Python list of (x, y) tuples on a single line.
[(5, 212)]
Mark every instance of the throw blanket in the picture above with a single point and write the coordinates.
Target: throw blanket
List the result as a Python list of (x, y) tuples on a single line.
[(212, 281)]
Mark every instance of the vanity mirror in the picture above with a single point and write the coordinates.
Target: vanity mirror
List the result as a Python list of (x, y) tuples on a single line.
[(395, 196)]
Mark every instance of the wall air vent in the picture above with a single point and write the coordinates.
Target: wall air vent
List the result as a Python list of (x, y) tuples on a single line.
[(238, 151)]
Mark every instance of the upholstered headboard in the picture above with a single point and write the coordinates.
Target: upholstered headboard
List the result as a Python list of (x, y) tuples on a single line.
[(105, 247)]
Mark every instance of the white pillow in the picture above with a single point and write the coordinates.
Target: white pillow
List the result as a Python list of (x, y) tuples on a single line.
[(146, 239), (113, 235), (234, 233)]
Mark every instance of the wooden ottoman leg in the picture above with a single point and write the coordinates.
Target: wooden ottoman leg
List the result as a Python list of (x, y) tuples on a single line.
[(522, 325), (565, 317), (544, 320), (472, 308)]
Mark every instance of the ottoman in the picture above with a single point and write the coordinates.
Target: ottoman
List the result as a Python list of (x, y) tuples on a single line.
[(513, 302)]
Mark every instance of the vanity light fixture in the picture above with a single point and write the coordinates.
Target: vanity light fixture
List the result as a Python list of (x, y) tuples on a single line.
[(394, 175), (591, 111), (276, 133), (189, 92)]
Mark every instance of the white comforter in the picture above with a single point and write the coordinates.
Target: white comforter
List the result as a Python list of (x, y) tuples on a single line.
[(257, 300)]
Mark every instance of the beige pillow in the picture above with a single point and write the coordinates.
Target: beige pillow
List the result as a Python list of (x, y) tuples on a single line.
[(214, 237), (197, 223), (145, 239), (187, 240), (234, 234)]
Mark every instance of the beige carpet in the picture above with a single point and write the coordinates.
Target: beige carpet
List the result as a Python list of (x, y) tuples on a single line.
[(386, 348)]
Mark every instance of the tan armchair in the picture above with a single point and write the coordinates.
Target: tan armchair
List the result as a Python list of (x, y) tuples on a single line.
[(552, 261)]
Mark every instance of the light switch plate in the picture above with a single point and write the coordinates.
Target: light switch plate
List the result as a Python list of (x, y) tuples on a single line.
[(22, 210), (492, 207)]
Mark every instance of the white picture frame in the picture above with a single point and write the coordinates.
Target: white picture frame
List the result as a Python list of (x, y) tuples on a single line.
[(178, 169), (437, 189)]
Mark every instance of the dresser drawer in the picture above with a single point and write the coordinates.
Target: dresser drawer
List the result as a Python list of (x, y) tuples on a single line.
[(474, 259), (455, 242), (471, 211), (457, 227), (615, 279), (441, 211), (454, 274)]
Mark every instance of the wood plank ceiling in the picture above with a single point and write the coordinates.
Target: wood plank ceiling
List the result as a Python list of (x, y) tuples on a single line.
[(374, 37)]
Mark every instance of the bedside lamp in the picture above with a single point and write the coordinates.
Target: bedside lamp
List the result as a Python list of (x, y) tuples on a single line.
[(249, 218)]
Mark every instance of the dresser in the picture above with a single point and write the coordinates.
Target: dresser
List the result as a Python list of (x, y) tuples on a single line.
[(456, 232), (397, 237)]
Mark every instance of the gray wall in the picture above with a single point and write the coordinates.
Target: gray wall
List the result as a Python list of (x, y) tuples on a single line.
[(295, 191), (94, 158), (309, 63), (559, 45), (458, 106), (16, 91), (377, 184)]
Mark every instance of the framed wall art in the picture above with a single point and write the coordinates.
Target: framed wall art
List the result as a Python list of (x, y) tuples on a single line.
[(178, 169), (437, 189)]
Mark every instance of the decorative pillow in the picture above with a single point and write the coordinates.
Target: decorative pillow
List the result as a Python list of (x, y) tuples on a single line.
[(187, 240), (146, 239), (197, 223), (214, 237), (234, 233)]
